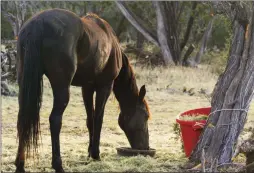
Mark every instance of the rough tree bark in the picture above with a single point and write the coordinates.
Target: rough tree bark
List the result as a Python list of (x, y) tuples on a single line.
[(232, 96)]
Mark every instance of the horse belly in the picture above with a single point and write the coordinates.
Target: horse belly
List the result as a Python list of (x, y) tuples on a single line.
[(92, 65), (95, 74)]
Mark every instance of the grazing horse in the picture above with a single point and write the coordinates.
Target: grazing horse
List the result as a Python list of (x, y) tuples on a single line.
[(82, 52)]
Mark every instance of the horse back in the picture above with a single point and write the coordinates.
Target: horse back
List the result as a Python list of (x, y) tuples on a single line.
[(61, 30), (58, 25), (55, 33), (99, 54)]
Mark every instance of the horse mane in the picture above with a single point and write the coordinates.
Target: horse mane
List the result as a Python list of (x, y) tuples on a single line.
[(132, 81), (99, 21), (148, 109), (104, 25)]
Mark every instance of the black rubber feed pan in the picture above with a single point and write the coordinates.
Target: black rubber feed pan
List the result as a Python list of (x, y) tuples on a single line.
[(125, 151)]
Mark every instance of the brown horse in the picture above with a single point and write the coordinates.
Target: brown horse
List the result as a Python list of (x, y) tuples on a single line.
[(82, 52)]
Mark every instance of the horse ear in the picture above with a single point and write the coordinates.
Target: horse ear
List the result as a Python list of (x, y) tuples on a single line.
[(142, 93)]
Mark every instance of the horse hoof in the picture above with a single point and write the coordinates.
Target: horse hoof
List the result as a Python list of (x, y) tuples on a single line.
[(96, 158), (95, 154), (19, 166), (22, 170), (59, 170)]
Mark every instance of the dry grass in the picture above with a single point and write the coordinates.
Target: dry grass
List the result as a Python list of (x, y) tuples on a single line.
[(166, 100)]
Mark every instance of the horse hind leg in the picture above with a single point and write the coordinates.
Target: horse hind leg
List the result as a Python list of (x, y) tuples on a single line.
[(87, 93), (60, 80), (61, 99), (20, 159)]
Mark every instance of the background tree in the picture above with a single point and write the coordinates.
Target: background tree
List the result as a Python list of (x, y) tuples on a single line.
[(184, 23), (171, 36), (204, 41)]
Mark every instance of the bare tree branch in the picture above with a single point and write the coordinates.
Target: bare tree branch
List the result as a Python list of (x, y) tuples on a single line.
[(132, 18), (9, 15)]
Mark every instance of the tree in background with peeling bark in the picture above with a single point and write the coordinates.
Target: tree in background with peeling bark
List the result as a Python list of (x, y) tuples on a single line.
[(232, 95), (167, 34)]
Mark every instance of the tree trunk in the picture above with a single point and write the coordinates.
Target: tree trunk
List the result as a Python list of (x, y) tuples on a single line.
[(189, 26), (204, 41), (169, 11), (140, 40), (186, 61), (231, 100), (161, 33), (137, 23)]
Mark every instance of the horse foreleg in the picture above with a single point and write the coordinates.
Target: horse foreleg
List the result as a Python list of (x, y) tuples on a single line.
[(102, 94), (61, 99), (87, 93)]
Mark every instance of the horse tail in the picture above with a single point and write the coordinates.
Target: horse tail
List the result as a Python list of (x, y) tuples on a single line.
[(30, 86)]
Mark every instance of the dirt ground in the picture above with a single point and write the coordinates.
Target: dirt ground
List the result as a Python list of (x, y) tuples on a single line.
[(166, 100)]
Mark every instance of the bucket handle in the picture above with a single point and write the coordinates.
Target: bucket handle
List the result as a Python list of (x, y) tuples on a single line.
[(198, 126)]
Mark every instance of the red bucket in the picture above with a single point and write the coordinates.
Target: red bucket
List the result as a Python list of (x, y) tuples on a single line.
[(191, 130)]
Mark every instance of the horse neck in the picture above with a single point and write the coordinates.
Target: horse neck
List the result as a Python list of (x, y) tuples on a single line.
[(125, 87)]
